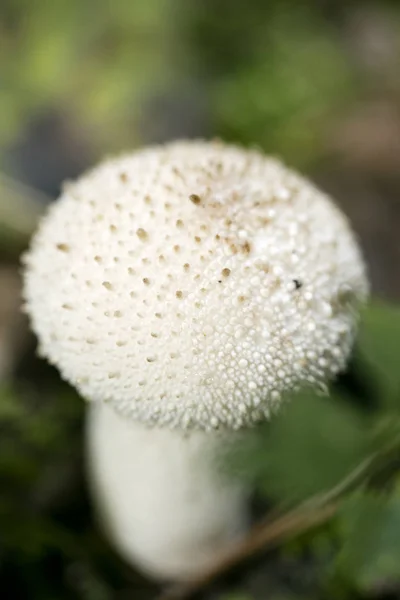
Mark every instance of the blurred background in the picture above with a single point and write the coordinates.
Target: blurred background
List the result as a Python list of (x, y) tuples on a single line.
[(316, 83)]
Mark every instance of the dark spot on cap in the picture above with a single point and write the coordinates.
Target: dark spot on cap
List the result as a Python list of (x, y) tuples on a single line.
[(195, 198), (142, 234), (297, 283)]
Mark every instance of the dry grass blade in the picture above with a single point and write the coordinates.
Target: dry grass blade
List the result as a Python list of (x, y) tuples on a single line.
[(275, 530), (264, 536)]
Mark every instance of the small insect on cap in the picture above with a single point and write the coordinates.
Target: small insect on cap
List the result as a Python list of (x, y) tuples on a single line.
[(191, 284)]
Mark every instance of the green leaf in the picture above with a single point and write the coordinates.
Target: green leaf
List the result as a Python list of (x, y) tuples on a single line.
[(10, 406), (309, 448), (379, 348), (371, 527)]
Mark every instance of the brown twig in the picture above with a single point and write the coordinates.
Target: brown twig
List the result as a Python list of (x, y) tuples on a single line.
[(269, 533), (261, 537)]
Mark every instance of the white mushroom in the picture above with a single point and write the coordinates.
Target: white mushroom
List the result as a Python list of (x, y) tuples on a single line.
[(188, 286), (161, 496)]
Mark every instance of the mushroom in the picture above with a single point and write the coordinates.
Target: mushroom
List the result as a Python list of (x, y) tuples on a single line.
[(183, 289)]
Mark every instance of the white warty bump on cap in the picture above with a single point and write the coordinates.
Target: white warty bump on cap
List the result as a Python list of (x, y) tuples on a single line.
[(191, 284)]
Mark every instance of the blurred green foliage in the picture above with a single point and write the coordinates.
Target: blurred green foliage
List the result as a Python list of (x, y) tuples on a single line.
[(94, 62), (279, 74), (275, 74), (311, 447), (379, 348), (370, 525)]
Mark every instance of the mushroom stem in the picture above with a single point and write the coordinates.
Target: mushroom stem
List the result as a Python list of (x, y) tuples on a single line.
[(160, 494)]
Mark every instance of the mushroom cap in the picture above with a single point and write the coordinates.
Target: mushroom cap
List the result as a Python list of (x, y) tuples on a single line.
[(190, 285)]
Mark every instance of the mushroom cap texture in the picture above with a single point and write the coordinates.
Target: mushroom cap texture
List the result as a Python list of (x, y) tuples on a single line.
[(191, 284)]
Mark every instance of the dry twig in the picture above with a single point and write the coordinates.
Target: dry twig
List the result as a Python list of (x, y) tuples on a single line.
[(270, 533), (262, 537)]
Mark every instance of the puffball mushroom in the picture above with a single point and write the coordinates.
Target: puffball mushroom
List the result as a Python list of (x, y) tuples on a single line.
[(182, 289)]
